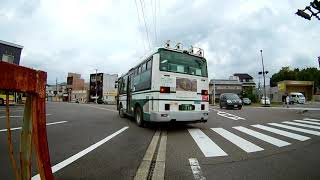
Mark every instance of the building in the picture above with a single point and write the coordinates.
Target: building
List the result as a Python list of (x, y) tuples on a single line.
[(75, 82), (231, 85), (76, 88), (103, 86), (246, 80), (10, 52), (288, 86)]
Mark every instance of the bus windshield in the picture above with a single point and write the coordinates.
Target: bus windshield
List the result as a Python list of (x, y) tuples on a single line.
[(177, 62)]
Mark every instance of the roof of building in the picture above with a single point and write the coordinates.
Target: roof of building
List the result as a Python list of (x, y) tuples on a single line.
[(10, 44), (225, 81), (243, 76)]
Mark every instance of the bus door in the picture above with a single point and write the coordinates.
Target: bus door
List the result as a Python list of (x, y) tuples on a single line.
[(129, 95)]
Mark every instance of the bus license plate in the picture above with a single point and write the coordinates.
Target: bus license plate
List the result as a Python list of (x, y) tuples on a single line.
[(186, 107), (235, 105)]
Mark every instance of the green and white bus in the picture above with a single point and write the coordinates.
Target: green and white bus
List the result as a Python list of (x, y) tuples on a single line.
[(168, 85)]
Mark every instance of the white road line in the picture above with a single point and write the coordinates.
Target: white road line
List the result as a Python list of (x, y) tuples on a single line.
[(308, 122), (228, 115), (238, 141), (48, 124), (196, 170), (263, 137), (75, 157), (309, 119), (296, 129), (103, 108), (207, 146), (302, 125), (160, 166), (281, 132), (2, 117)]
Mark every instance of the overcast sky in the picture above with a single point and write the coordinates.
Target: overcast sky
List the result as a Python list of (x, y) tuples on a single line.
[(61, 36)]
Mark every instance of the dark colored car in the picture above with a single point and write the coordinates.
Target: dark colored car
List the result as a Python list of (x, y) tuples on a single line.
[(230, 100)]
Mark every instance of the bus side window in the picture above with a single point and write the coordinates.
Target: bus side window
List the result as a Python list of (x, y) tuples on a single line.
[(149, 64), (144, 67), (139, 70)]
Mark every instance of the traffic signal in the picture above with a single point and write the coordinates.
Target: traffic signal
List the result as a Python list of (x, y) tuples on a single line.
[(315, 4), (303, 14)]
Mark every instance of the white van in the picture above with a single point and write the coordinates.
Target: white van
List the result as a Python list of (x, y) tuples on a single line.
[(298, 97)]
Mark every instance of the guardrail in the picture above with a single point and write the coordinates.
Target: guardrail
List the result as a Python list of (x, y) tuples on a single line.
[(14, 78)]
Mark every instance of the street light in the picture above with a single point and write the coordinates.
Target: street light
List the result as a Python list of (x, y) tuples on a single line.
[(264, 79)]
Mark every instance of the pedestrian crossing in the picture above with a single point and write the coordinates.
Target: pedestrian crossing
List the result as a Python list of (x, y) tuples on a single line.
[(299, 130)]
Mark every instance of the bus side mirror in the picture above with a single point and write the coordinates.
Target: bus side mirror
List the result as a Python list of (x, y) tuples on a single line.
[(116, 86)]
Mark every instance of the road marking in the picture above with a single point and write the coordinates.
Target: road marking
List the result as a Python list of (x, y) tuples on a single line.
[(12, 110), (302, 125), (143, 170), (2, 117), (158, 172), (103, 108), (281, 132), (309, 119), (75, 157), (308, 122), (196, 169), (228, 115), (48, 124), (207, 146), (238, 141), (263, 137), (296, 129)]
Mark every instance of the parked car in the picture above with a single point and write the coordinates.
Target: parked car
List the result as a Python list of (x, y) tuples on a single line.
[(230, 100), (246, 101), (265, 101), (298, 97)]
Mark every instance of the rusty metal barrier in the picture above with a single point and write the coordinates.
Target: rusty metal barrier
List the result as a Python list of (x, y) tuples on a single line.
[(14, 78)]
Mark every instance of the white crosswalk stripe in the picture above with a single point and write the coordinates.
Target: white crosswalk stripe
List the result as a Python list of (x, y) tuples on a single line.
[(296, 129), (263, 137), (210, 149), (309, 119), (308, 122), (281, 132), (207, 146), (238, 141), (302, 125)]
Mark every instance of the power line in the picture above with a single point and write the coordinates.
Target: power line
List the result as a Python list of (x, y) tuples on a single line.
[(155, 20), (144, 46), (144, 20)]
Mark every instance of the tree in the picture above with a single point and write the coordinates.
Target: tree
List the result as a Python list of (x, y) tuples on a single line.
[(307, 74)]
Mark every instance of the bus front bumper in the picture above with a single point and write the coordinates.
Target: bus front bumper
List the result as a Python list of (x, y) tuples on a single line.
[(178, 116)]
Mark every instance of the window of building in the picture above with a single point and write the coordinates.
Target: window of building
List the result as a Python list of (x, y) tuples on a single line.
[(7, 58)]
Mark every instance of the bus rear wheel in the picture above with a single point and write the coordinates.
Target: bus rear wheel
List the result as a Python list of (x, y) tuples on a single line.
[(1, 102), (138, 116)]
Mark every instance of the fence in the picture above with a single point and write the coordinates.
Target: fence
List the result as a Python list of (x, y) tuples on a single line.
[(14, 78)]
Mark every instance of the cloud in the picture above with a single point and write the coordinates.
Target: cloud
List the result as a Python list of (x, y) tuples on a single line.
[(82, 35)]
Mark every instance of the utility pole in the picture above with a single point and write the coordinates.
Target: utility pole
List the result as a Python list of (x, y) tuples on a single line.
[(264, 80), (214, 92), (96, 86), (56, 88)]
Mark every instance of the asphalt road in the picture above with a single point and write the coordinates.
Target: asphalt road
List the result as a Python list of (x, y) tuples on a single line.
[(229, 146)]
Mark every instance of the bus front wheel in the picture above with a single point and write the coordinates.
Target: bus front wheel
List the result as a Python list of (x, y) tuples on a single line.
[(121, 112), (138, 116)]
